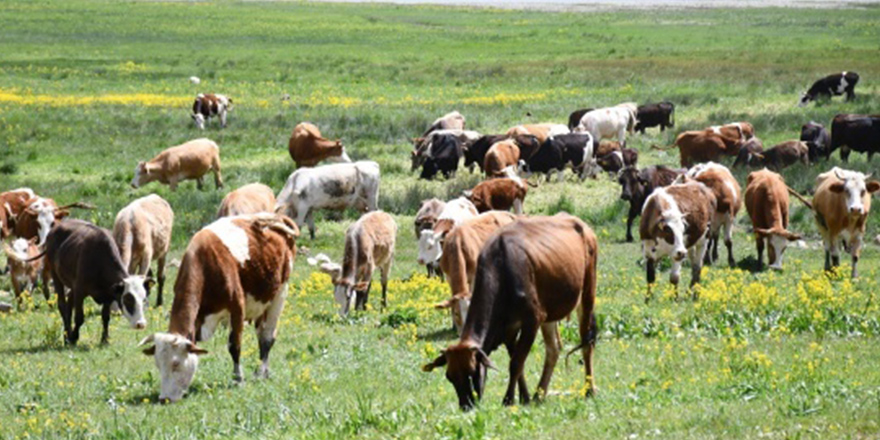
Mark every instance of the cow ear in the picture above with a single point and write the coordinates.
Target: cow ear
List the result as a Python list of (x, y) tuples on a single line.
[(439, 362), (763, 232), (150, 351), (149, 283), (837, 187), (788, 235), (873, 186), (61, 214)]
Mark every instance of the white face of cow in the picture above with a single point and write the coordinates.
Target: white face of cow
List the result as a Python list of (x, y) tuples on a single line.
[(805, 99), (45, 220), (343, 290), (177, 359), (854, 190), (430, 247), (131, 296), (141, 175)]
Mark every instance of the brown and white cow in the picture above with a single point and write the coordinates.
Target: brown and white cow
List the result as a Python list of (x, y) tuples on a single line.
[(500, 156), (369, 244), (499, 194), (841, 204), (234, 270), (191, 160), (425, 219), (26, 268), (307, 147), (208, 105), (249, 199), (431, 240), (458, 261), (12, 203), (40, 215), (142, 232), (767, 203), (728, 201), (736, 131), (541, 131), (450, 121), (676, 222), (531, 274)]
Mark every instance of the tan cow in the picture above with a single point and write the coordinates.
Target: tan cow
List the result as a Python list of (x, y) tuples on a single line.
[(450, 121), (191, 160), (307, 147), (461, 248), (142, 232), (728, 198), (767, 203), (541, 131), (249, 199), (500, 156), (24, 273)]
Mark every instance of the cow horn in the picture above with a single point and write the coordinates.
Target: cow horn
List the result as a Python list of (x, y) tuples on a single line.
[(868, 176), (147, 340), (837, 174), (81, 205)]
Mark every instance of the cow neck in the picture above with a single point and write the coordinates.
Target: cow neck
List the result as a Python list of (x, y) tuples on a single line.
[(484, 327), (184, 312)]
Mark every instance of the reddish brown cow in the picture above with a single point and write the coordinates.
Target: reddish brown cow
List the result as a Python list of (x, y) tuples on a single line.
[(25, 273), (12, 203), (728, 198), (703, 146), (307, 147), (499, 194), (767, 203)]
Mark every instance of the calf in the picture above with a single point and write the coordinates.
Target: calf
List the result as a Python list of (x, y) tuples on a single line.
[(502, 155), (142, 232), (541, 131), (26, 267), (841, 204), (234, 270), (249, 199), (431, 240), (369, 244), (458, 259), (445, 154), (530, 275), (606, 123), (191, 160), (40, 215), (661, 114), (450, 121), (636, 185), (499, 194), (85, 262), (425, 219), (335, 187), (832, 85), (767, 203), (781, 156), (560, 151), (307, 147), (207, 105), (855, 133), (817, 139), (615, 161), (575, 117), (728, 200), (676, 222)]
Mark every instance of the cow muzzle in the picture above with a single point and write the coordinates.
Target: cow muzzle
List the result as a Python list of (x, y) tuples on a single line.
[(679, 255)]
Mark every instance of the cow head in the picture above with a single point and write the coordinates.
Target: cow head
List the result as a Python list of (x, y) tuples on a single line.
[(177, 359), (142, 175), (343, 287), (466, 366), (855, 188), (131, 296), (199, 120), (44, 213), (805, 99), (342, 157), (631, 184), (459, 305), (430, 246), (229, 105), (668, 231), (778, 239)]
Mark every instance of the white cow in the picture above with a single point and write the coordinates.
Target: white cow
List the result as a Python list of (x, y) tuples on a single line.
[(609, 122), (431, 241)]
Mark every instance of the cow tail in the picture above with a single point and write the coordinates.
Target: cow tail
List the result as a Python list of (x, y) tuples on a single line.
[(672, 116), (657, 147), (800, 197), (35, 257)]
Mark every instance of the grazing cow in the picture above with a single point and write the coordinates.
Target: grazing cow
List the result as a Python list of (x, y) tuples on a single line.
[(84, 262), (234, 270), (767, 203), (143, 233), (499, 194), (749, 152), (832, 85), (446, 152), (609, 122), (703, 146), (207, 105), (575, 149), (859, 133), (450, 121), (249, 199), (431, 240), (541, 131), (661, 114), (336, 187), (530, 275), (369, 244), (426, 218), (817, 138), (841, 204), (636, 185), (676, 222), (735, 131), (191, 160), (502, 155), (458, 259), (422, 146), (475, 154), (575, 117), (12, 203), (307, 147), (616, 160), (728, 200), (605, 147), (779, 157), (26, 267), (40, 215)]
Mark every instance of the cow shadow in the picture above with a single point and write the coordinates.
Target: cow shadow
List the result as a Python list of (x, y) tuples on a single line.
[(152, 398), (445, 334), (45, 348)]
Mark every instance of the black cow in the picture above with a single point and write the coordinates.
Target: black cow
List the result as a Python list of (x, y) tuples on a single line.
[(652, 115), (443, 156), (574, 119), (558, 152), (84, 259), (617, 160), (636, 185), (817, 139), (476, 152), (832, 85), (855, 133)]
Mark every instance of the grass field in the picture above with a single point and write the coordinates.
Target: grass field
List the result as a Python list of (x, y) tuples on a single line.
[(89, 88)]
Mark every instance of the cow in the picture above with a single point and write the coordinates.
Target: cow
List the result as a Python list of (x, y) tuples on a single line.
[(530, 275), (616, 160), (233, 270), (307, 147), (499, 194), (426, 218), (636, 185), (422, 146), (450, 121), (832, 85), (249, 199), (735, 131), (817, 139), (703, 146), (661, 114), (541, 131), (767, 203), (749, 152), (26, 267), (84, 262), (40, 215), (208, 105), (369, 244), (12, 203), (779, 156), (676, 222), (575, 117), (336, 187), (558, 152), (500, 156), (142, 232), (475, 153), (431, 240), (728, 200), (458, 259), (841, 205), (191, 160), (605, 147), (609, 122), (859, 133), (446, 152)]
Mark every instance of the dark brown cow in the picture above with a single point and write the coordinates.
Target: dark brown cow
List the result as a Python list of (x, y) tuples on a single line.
[(636, 185)]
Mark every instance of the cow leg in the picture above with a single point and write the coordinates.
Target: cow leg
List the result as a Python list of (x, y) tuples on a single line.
[(835, 253), (160, 279), (518, 206), (105, 321), (236, 325), (524, 344), (200, 183), (629, 226), (172, 184), (552, 348), (266, 330), (759, 243), (218, 178), (79, 316), (510, 344), (311, 221), (855, 246), (587, 329), (728, 240), (45, 275), (63, 307), (696, 257), (651, 268), (223, 118)]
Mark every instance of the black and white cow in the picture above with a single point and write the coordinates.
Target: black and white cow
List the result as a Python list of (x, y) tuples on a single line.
[(832, 85), (443, 157), (859, 133), (661, 114), (558, 152), (575, 117), (207, 105), (476, 152)]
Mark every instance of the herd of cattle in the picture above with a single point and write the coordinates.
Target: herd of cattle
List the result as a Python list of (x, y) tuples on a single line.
[(510, 275)]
